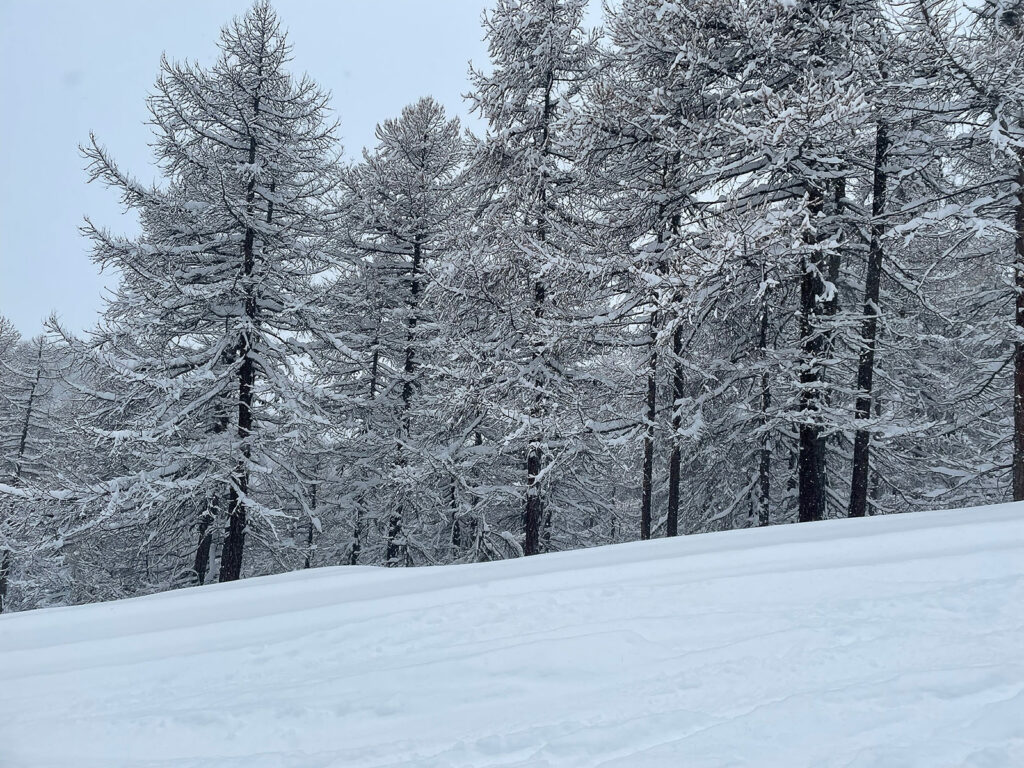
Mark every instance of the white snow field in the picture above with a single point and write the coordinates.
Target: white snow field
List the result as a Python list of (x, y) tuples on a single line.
[(895, 641)]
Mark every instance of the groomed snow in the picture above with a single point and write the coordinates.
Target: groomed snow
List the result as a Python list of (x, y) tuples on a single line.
[(883, 642)]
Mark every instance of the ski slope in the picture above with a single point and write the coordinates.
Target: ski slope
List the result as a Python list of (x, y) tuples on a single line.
[(884, 642)]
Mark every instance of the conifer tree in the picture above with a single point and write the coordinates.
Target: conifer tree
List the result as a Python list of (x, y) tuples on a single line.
[(402, 208), (519, 269), (206, 334)]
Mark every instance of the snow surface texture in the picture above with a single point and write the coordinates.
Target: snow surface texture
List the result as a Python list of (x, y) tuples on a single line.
[(895, 641)]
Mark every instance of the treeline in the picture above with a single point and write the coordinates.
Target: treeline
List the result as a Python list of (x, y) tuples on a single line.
[(723, 263)]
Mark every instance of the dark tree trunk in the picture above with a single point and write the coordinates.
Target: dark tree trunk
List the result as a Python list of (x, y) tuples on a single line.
[(311, 531), (869, 329), (408, 384), (234, 542), (208, 516), (811, 454), (27, 421), (453, 507), (1018, 351), (534, 502), (1011, 19), (675, 459), (357, 528), (202, 561), (613, 533), (764, 472), (831, 307), (5, 570), (647, 482), (374, 368), (357, 538), (876, 477), (19, 467), (533, 512), (309, 545), (397, 550), (792, 462)]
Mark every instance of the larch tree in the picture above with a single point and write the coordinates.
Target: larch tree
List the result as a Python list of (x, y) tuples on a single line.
[(652, 117), (520, 267), (39, 443), (206, 335), (402, 206), (982, 61)]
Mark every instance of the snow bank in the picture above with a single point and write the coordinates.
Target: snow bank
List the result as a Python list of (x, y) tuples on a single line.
[(894, 641)]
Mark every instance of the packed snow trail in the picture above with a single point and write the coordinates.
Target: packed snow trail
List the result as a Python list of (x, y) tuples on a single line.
[(895, 641)]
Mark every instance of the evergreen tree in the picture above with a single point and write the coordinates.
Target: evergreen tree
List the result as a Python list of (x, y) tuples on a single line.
[(402, 207), (520, 279), (206, 335)]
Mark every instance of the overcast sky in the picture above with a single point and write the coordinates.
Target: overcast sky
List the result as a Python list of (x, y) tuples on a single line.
[(69, 66)]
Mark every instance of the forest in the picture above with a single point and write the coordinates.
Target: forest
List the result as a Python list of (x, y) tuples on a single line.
[(716, 264)]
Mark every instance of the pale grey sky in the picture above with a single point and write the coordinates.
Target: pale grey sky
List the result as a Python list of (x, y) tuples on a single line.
[(69, 66)]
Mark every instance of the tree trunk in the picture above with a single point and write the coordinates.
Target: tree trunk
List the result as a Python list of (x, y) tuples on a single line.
[(652, 413), (1018, 347), (19, 466), (453, 507), (231, 554), (675, 460), (357, 537), (234, 542), (357, 527), (410, 346), (534, 509), (876, 478), (534, 512), (5, 570), (811, 454), (202, 560), (27, 421), (534, 502), (397, 550), (678, 383), (869, 329), (764, 472), (310, 532)]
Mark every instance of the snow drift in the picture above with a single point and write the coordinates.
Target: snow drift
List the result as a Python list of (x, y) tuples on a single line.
[(895, 641)]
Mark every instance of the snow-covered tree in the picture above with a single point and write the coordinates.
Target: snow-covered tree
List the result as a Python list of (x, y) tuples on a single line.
[(402, 207), (977, 53), (39, 444), (519, 283), (205, 339)]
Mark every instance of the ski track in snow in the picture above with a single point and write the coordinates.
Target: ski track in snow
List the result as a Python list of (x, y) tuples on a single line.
[(884, 642)]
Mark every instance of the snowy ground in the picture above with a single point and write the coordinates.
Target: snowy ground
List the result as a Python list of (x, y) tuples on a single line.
[(883, 642)]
